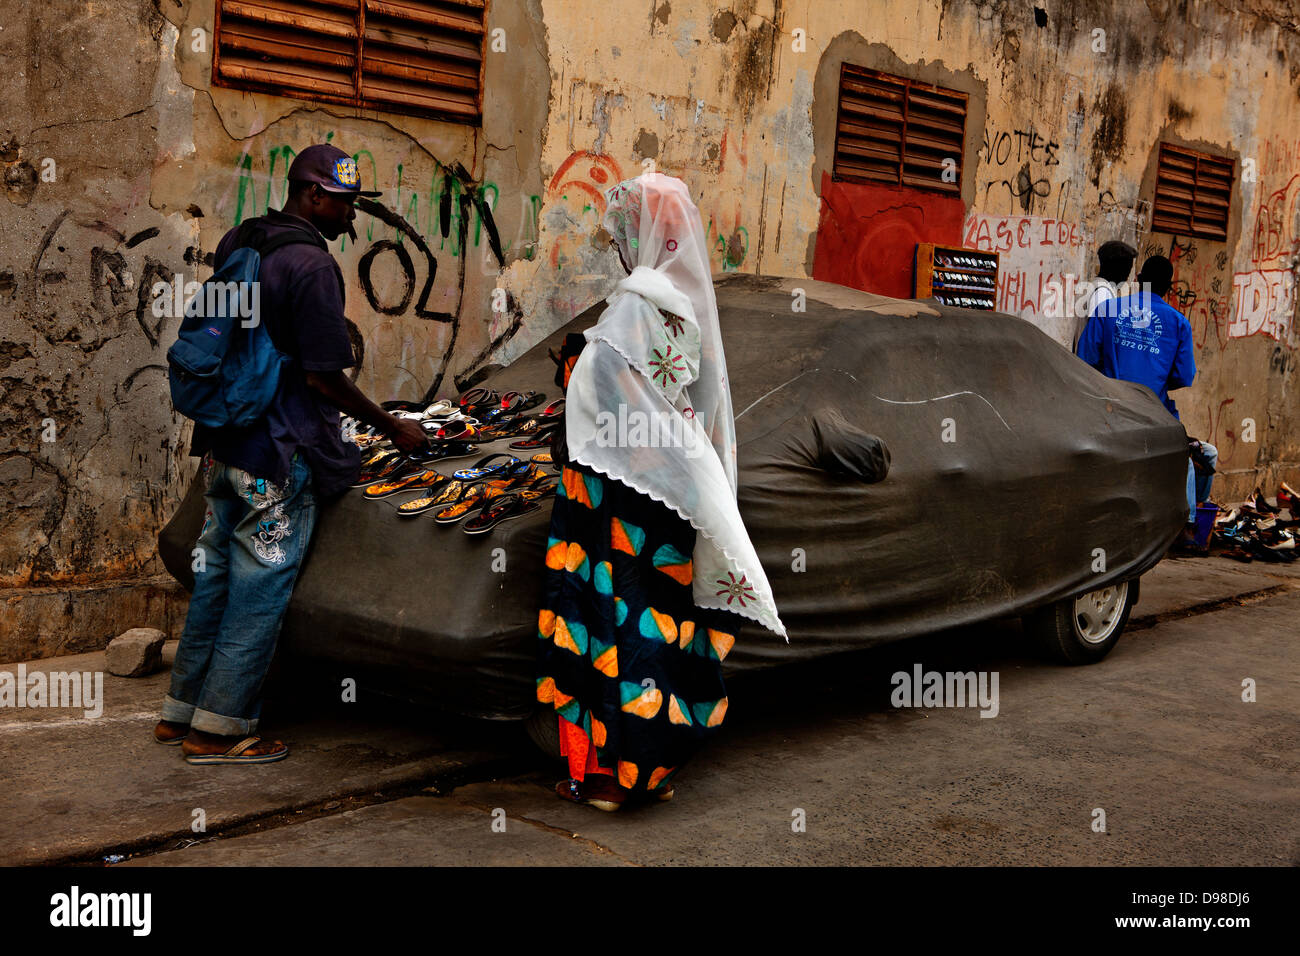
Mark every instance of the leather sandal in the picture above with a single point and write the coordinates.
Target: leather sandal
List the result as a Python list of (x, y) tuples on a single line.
[(238, 753)]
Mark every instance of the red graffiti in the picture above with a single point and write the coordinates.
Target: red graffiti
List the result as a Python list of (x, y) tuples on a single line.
[(1275, 224), (1227, 445), (590, 180)]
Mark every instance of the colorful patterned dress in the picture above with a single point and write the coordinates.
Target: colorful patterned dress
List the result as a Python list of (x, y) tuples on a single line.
[(631, 665)]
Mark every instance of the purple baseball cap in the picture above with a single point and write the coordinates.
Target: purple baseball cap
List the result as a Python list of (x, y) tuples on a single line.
[(329, 168)]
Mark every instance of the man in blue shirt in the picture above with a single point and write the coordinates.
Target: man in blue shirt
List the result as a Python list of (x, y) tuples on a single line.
[(1140, 338)]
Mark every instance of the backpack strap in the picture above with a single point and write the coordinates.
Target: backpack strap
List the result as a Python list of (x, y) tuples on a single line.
[(252, 235)]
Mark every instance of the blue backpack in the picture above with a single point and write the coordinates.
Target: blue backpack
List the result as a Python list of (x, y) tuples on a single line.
[(223, 368)]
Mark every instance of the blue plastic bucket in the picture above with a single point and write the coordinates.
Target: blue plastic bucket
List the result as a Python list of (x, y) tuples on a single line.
[(1205, 515)]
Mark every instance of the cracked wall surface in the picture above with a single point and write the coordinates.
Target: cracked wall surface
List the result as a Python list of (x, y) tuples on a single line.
[(154, 164)]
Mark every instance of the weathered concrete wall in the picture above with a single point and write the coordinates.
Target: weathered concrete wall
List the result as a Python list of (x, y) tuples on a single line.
[(153, 165)]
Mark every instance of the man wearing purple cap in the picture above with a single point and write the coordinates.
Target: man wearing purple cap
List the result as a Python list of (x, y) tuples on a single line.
[(263, 481)]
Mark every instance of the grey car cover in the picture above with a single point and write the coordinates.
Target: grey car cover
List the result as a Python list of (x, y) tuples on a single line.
[(905, 467)]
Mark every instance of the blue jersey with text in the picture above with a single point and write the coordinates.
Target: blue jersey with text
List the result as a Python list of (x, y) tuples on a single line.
[(1142, 339)]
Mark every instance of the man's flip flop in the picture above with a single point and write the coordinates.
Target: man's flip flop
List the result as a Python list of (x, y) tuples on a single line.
[(237, 754)]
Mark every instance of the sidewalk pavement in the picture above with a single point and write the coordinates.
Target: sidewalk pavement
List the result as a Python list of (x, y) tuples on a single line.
[(82, 789)]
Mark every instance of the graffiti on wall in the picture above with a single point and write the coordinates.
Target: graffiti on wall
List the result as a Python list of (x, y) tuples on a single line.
[(1034, 253), (1018, 166), (409, 260)]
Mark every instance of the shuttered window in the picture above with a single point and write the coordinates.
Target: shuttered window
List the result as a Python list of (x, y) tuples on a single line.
[(1193, 193), (892, 130), (421, 57)]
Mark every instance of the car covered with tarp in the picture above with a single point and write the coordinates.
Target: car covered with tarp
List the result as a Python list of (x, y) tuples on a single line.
[(904, 468)]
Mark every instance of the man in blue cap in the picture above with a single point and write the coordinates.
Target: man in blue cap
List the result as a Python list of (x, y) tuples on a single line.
[(263, 482)]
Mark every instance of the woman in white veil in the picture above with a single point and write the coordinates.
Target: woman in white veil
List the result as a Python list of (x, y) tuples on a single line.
[(649, 565)]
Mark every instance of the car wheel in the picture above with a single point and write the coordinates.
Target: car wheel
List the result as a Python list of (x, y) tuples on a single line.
[(544, 731), (1084, 629)]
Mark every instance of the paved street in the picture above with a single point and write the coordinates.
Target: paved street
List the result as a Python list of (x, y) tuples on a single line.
[(1157, 737)]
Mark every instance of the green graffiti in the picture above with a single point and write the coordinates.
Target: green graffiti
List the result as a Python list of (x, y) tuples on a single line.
[(246, 185), (248, 203)]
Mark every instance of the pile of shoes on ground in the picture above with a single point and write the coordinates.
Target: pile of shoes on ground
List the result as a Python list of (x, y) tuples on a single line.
[(1256, 530), (495, 488)]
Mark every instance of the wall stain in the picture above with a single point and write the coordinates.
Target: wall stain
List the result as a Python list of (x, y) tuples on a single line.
[(1108, 139)]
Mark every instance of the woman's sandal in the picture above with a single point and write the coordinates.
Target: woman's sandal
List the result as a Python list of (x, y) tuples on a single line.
[(486, 402), (444, 451), (238, 753), (538, 439), (609, 797), (387, 467), (477, 495), (462, 430), (481, 470), (474, 396), (448, 495), (420, 480), (521, 427), (499, 509)]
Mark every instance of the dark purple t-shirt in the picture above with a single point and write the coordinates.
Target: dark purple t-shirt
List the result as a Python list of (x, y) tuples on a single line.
[(301, 289)]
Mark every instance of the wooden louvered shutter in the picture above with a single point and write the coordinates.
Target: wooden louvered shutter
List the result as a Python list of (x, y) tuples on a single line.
[(1193, 193), (423, 57), (892, 130), (420, 57), (305, 48)]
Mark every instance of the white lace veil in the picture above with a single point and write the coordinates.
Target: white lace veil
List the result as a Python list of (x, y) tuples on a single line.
[(648, 400)]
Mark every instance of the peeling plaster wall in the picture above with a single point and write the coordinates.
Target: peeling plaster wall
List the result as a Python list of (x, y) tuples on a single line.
[(155, 164)]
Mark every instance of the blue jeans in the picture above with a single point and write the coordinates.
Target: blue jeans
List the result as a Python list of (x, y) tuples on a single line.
[(1199, 483), (254, 537)]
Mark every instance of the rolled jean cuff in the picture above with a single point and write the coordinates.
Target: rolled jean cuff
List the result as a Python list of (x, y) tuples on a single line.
[(210, 723), (175, 711)]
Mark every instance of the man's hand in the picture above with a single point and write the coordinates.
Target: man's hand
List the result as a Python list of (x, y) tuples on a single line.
[(338, 389), (407, 434)]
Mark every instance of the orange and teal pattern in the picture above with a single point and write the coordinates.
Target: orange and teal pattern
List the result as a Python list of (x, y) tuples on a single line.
[(624, 653)]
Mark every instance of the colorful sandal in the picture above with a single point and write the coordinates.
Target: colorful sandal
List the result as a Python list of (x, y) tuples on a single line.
[(448, 495), (502, 508), (415, 482), (481, 470)]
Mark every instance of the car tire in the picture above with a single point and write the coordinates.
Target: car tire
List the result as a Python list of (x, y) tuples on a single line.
[(1084, 629), (543, 730)]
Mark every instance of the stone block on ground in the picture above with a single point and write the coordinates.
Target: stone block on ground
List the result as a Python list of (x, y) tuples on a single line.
[(136, 652)]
